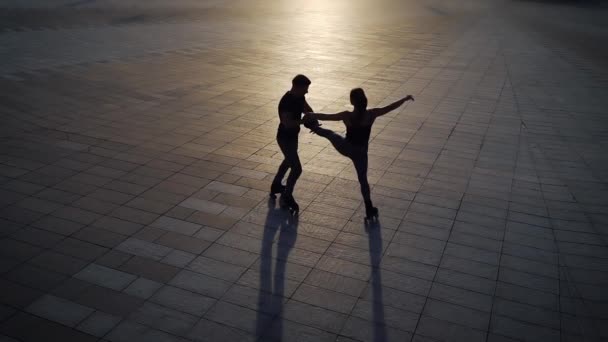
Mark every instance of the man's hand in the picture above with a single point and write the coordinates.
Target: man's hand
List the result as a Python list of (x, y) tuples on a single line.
[(409, 97), (310, 122)]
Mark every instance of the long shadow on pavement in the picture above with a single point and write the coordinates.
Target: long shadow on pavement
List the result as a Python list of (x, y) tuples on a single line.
[(374, 233), (272, 284)]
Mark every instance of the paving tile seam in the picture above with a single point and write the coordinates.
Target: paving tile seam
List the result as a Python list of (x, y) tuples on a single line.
[(523, 141)]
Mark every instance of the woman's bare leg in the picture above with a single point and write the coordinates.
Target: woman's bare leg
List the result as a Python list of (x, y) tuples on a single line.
[(358, 155), (359, 159), (339, 143)]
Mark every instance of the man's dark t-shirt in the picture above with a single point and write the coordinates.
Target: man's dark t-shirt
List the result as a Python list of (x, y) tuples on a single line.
[(293, 106)]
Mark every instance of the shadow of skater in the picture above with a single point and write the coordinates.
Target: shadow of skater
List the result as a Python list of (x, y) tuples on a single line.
[(272, 284), (375, 255)]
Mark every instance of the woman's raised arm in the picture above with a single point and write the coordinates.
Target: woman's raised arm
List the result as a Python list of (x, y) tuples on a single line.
[(383, 110)]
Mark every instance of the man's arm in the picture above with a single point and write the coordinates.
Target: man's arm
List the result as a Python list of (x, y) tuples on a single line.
[(307, 107), (381, 111), (328, 117)]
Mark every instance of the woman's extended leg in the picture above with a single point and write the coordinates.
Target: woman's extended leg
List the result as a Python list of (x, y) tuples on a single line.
[(339, 143)]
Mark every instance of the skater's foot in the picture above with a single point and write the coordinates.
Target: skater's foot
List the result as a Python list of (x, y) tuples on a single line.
[(371, 212), (276, 188), (289, 203)]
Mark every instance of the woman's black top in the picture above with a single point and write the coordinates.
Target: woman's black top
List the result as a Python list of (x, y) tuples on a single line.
[(358, 129)]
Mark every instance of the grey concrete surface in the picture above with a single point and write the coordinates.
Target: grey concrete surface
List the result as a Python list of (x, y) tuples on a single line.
[(137, 150)]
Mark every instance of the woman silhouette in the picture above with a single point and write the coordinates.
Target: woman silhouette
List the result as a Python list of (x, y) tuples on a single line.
[(358, 128)]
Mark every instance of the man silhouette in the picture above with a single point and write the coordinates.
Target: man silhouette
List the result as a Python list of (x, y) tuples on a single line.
[(291, 107)]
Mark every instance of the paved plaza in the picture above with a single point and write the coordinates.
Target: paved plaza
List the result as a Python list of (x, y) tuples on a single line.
[(137, 148)]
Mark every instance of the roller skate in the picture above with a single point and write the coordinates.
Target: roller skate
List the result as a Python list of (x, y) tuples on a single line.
[(371, 212), (276, 188), (289, 203)]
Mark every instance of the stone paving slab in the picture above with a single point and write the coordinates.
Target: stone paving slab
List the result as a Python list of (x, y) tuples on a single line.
[(137, 149)]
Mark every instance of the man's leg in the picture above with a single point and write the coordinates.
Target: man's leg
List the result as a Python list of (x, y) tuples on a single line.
[(278, 178), (277, 182), (290, 150)]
